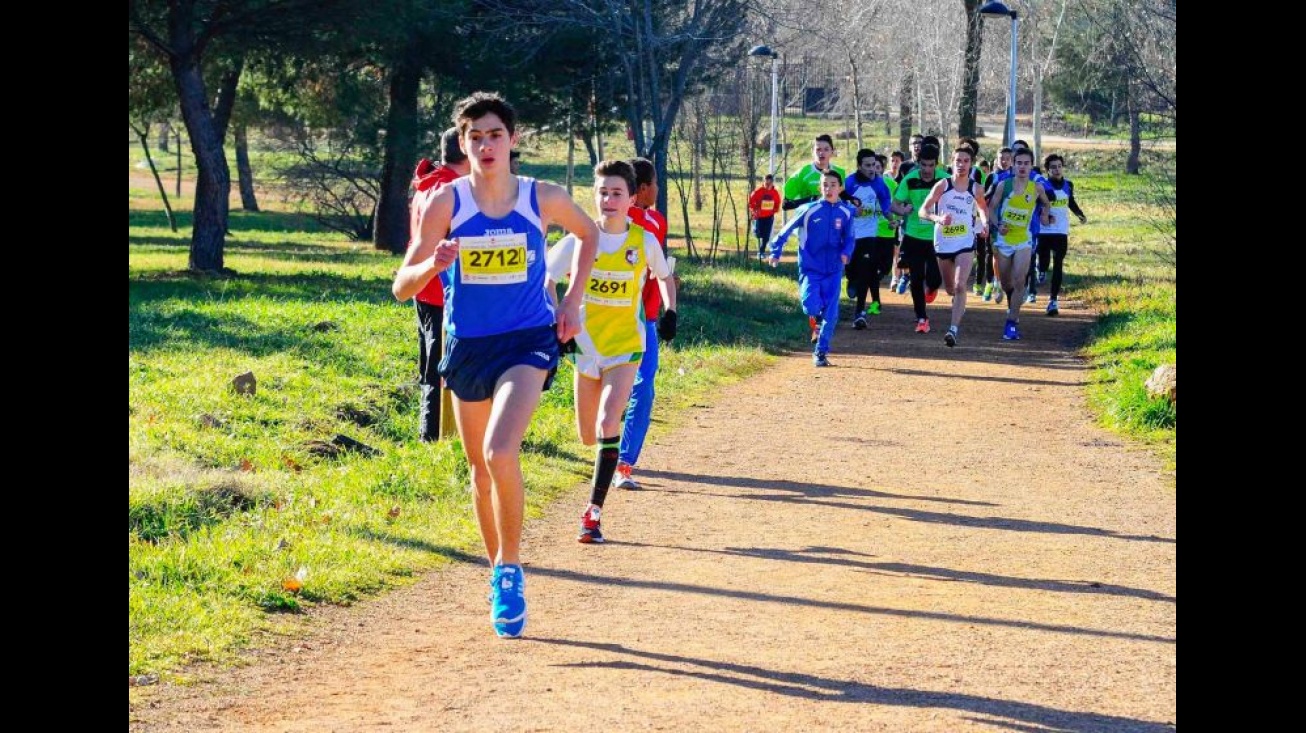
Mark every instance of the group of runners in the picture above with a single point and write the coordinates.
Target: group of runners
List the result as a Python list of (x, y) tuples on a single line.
[(895, 217), (480, 269)]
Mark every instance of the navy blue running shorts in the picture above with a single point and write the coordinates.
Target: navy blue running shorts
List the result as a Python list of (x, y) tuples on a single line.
[(471, 367)]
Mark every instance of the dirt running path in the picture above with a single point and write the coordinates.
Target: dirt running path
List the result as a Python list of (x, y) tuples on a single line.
[(917, 539)]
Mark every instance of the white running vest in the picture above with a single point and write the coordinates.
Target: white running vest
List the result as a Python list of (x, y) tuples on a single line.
[(1060, 210), (960, 234)]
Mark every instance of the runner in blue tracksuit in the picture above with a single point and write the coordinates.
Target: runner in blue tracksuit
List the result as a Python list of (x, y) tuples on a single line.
[(825, 245)]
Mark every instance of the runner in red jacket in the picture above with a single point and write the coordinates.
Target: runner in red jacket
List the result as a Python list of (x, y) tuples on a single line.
[(762, 205), (427, 179)]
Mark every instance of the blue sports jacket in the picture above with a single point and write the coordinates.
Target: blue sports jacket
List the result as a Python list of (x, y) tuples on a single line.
[(827, 233)]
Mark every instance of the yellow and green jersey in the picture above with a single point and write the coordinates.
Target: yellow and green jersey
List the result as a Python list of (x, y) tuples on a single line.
[(613, 308), (1016, 210)]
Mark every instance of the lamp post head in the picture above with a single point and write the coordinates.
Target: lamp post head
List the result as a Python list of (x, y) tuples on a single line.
[(764, 51), (995, 8)]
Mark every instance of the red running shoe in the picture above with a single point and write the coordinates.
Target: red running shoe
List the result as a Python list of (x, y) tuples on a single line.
[(590, 534)]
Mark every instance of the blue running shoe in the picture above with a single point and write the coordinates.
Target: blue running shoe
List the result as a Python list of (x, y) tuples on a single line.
[(903, 282), (1010, 332), (508, 607)]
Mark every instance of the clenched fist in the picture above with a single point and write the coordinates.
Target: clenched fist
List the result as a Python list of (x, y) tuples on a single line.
[(667, 326)]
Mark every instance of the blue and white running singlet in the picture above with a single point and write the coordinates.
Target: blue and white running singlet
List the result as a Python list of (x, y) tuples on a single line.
[(497, 283)]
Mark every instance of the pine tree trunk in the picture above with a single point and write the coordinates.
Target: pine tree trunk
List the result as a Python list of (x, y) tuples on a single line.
[(906, 96), (697, 147), (857, 102), (919, 113), (244, 173), (571, 153), (212, 176), (1135, 137), (966, 110), (1038, 113), (660, 166), (391, 220)]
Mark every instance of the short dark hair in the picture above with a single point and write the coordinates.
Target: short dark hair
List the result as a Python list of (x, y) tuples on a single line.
[(832, 173), (1005, 150), (883, 159), (931, 140), (964, 149), (863, 154), (971, 143), (450, 153), (823, 138), (1047, 162), (768, 177), (1023, 151), (645, 173), (930, 152), (619, 168), (479, 104), (898, 154)]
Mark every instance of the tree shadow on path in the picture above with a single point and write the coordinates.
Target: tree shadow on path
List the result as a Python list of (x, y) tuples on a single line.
[(812, 494), (819, 556), (809, 490), (658, 585), (813, 687)]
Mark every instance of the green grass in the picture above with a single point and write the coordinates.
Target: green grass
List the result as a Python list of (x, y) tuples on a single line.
[(1122, 266), (1135, 334), (226, 502), (1152, 126)]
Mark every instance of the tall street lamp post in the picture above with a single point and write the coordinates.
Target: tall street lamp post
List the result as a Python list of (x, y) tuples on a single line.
[(997, 9), (766, 52)]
